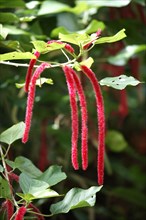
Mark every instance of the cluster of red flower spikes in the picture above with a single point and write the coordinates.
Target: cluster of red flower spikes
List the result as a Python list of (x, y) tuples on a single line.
[(74, 86)]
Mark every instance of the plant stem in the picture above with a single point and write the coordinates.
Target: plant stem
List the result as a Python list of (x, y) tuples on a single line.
[(6, 174)]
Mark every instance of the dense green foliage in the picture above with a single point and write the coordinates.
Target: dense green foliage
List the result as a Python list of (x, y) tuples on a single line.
[(23, 25)]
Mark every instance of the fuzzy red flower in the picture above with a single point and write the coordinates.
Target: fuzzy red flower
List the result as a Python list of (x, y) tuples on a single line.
[(84, 119), (10, 209), (20, 213), (74, 115), (101, 121), (30, 70), (30, 100)]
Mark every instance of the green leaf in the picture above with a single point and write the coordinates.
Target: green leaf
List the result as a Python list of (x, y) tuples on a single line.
[(107, 3), (12, 4), (51, 7), (39, 82), (35, 189), (119, 36), (27, 18), (13, 30), (5, 191), (1, 169), (27, 167), (13, 133), (3, 32), (115, 141), (8, 18), (47, 193), (93, 27), (88, 62), (76, 198), (119, 82), (27, 197), (17, 56), (11, 44), (52, 175), (124, 55), (55, 32), (10, 163), (43, 47), (30, 185), (74, 38)]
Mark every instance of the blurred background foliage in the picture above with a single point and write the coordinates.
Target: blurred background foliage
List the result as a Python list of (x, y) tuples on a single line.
[(123, 195)]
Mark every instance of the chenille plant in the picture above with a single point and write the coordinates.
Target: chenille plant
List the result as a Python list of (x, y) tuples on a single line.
[(33, 183)]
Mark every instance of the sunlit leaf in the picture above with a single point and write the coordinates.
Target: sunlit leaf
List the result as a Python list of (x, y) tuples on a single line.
[(13, 133), (27, 196), (102, 3), (35, 189), (50, 7), (17, 56), (43, 47), (76, 198), (3, 32), (119, 36), (88, 62), (27, 18), (119, 82), (47, 193), (74, 38)]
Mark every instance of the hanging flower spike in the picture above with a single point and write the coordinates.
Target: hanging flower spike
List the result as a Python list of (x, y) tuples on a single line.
[(30, 100), (84, 119), (74, 115), (13, 176), (68, 47), (101, 121), (30, 70), (20, 213), (95, 35), (10, 209)]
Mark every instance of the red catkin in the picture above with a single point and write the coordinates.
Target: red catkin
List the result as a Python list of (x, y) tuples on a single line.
[(30, 100), (20, 213), (84, 119), (74, 115), (30, 70), (9, 208), (35, 209), (13, 176), (101, 121)]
